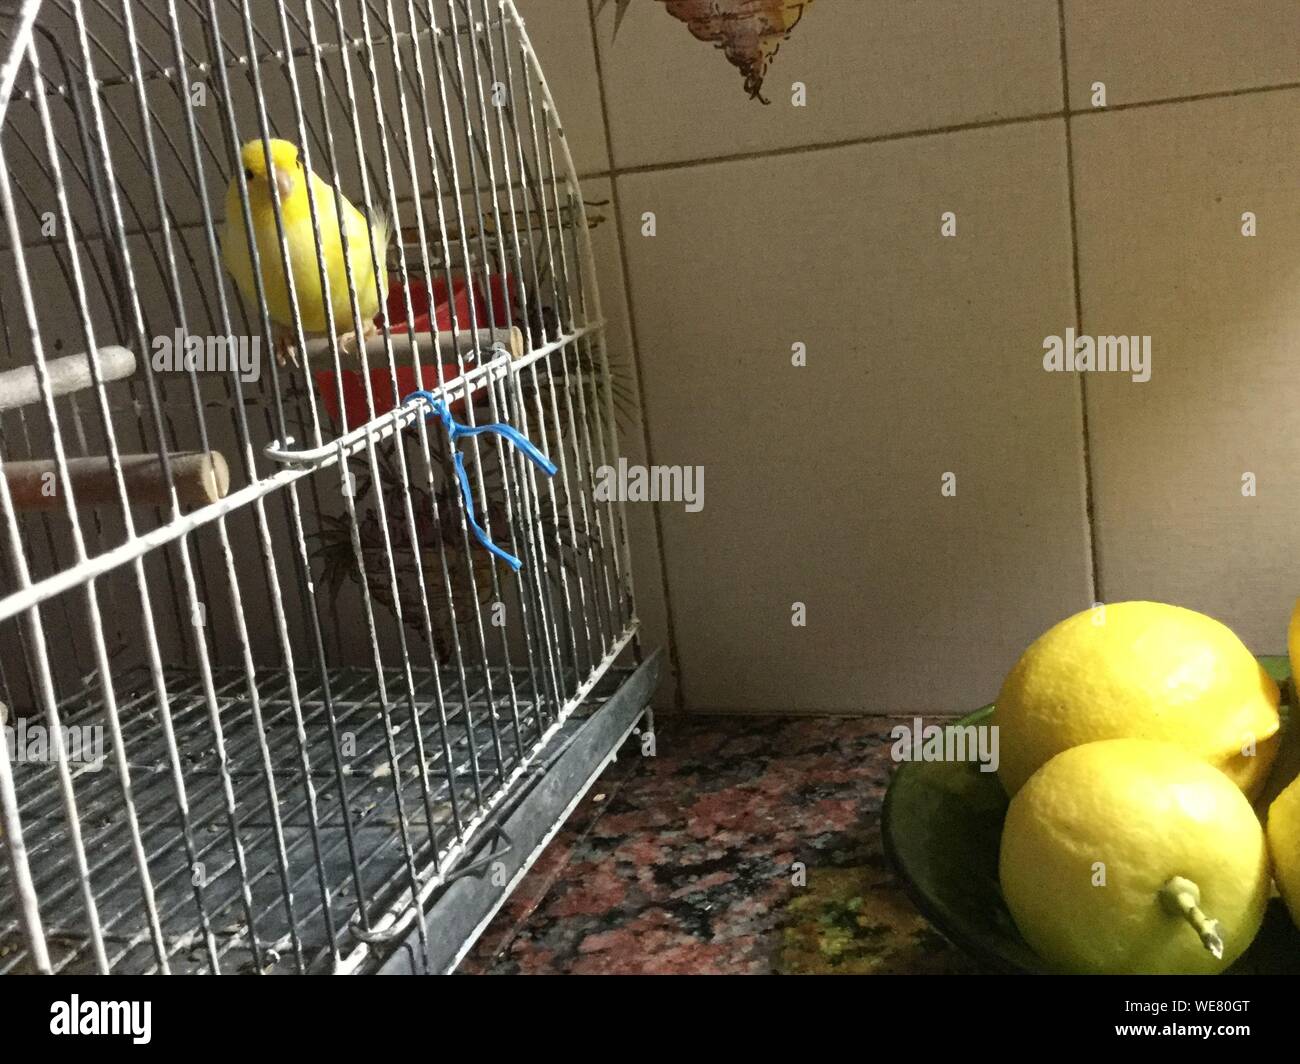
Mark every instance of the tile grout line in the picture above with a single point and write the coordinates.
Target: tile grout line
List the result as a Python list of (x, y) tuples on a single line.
[(679, 697), (1089, 493), (832, 145), (932, 131), (613, 172), (1191, 97)]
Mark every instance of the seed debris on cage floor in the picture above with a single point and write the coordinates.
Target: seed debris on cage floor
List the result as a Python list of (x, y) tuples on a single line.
[(354, 706)]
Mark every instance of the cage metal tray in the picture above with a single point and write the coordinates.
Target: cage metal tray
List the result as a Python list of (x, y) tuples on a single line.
[(361, 852)]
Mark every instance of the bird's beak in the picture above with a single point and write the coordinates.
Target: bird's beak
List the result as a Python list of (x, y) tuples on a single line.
[(283, 183)]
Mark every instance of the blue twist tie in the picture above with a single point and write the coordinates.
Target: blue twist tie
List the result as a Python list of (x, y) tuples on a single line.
[(439, 409)]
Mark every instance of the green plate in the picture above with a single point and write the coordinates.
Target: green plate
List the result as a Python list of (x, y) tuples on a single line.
[(942, 822)]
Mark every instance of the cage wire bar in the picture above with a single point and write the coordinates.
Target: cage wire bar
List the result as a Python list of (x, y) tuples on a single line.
[(304, 700)]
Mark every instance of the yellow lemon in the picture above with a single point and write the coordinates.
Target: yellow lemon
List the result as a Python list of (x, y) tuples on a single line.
[(1284, 811), (1284, 845), (1140, 670), (1129, 856)]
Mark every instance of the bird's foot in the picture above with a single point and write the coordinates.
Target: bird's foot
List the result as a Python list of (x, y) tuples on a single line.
[(349, 343), (285, 352)]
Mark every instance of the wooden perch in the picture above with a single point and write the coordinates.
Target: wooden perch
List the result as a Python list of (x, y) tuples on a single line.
[(467, 341), (71, 373), (201, 478)]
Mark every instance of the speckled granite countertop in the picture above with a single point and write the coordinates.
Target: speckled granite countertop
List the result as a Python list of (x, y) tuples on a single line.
[(690, 862)]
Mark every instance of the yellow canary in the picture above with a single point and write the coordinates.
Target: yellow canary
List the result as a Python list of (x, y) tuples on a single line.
[(285, 167)]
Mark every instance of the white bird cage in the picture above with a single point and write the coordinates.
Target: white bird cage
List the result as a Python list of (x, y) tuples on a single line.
[(292, 710)]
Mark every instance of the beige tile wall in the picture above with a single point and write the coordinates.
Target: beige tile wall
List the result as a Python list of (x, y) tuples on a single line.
[(820, 225), (1162, 49), (870, 67), (1161, 194)]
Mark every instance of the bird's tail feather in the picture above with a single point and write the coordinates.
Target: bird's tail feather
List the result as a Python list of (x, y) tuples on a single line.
[(381, 230), (381, 235)]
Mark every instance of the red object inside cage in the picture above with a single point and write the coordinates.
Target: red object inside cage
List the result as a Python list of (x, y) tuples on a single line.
[(445, 303)]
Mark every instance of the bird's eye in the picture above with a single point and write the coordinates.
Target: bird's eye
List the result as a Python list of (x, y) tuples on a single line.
[(248, 173)]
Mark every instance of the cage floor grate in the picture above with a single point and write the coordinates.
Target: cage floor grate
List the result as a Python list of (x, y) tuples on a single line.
[(487, 734)]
